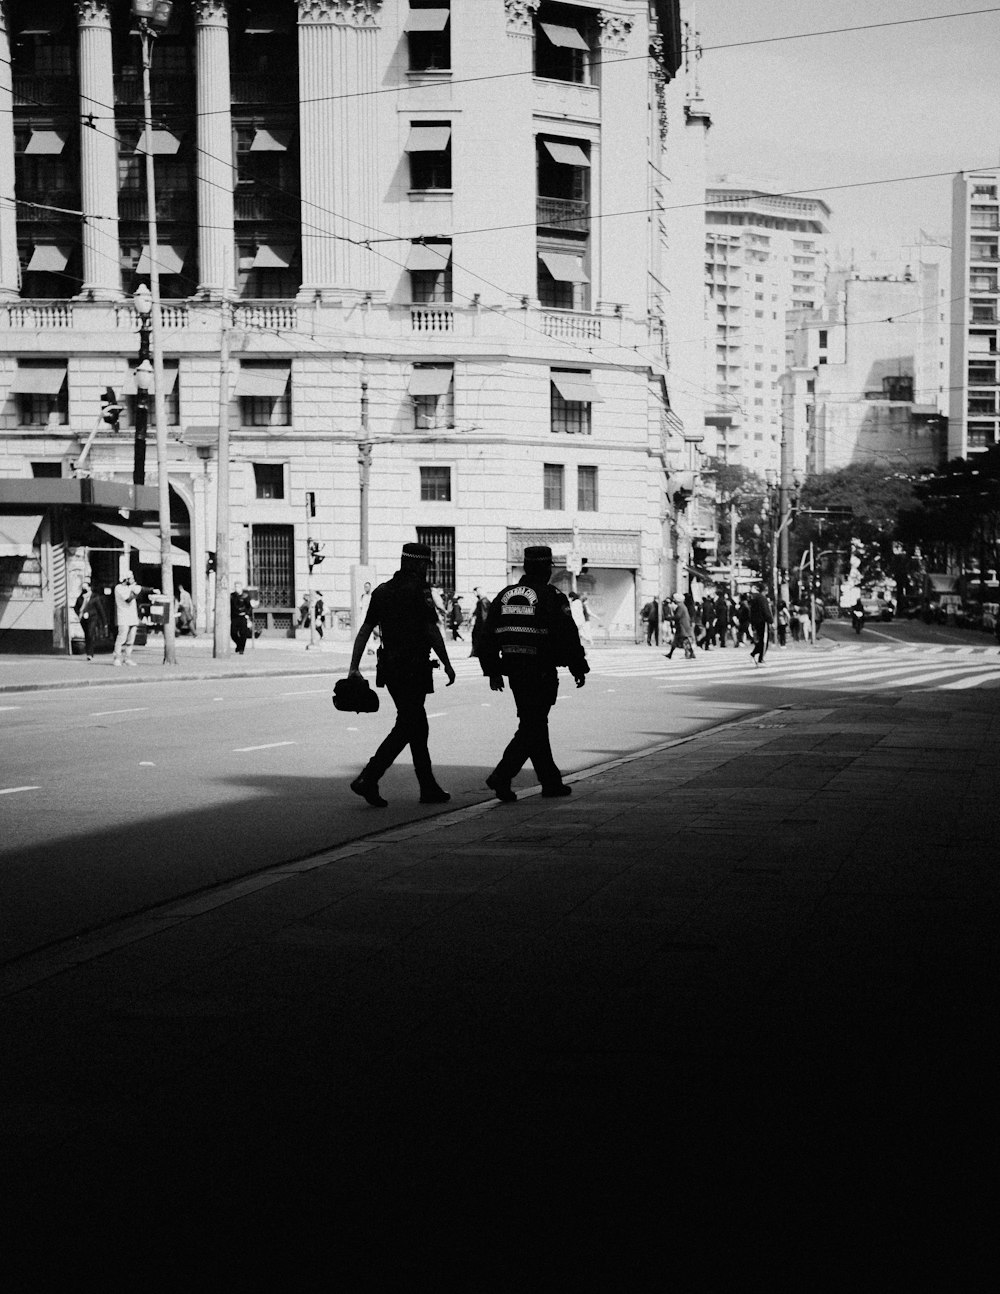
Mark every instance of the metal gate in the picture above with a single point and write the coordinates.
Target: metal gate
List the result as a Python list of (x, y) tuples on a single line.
[(441, 541), (273, 573)]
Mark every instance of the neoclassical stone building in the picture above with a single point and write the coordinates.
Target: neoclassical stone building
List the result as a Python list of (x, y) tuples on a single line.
[(440, 240)]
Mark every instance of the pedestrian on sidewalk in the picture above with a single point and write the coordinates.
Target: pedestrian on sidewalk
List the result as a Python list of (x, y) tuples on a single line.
[(240, 617), (683, 630), (651, 621), (784, 619), (319, 614), (479, 620), (742, 620), (127, 595), (86, 608), (721, 617), (455, 617), (530, 631), (761, 620), (404, 612)]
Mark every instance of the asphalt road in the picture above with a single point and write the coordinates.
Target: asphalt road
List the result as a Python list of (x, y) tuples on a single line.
[(116, 799)]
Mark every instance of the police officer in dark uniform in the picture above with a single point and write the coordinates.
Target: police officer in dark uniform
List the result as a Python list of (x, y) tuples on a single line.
[(529, 631), (404, 613)]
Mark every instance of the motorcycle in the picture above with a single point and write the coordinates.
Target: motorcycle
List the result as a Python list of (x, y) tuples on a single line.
[(858, 618)]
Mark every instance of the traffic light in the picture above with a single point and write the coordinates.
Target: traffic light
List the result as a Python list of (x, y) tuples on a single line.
[(311, 503), (315, 556), (111, 410), (583, 565), (210, 564)]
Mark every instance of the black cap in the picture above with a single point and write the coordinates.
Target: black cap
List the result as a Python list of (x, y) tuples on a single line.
[(417, 552), (538, 553)]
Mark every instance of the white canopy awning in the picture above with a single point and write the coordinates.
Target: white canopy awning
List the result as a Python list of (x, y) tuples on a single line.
[(49, 256), (431, 380), (165, 143), (273, 256), (428, 256), (50, 142), (566, 154), (270, 141), (17, 535), (564, 268), (427, 20), (576, 387), (265, 383), (169, 259), (145, 542), (428, 139), (566, 37), (38, 379)]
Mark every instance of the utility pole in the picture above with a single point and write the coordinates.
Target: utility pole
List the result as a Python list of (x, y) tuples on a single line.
[(364, 472)]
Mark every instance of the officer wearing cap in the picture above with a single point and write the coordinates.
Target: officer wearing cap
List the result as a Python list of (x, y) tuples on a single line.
[(530, 631), (403, 611)]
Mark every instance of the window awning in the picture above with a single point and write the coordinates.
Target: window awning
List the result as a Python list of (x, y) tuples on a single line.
[(576, 388), (273, 256), (263, 383), (38, 379), (564, 268), (566, 154), (165, 143), (270, 141), (46, 17), (427, 20), (428, 139), (565, 37), (49, 256), (145, 542), (169, 259), (428, 256), (17, 535), (430, 381), (170, 373), (51, 142)]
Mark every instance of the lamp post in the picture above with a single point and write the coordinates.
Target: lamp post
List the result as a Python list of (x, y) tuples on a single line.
[(143, 302), (153, 16)]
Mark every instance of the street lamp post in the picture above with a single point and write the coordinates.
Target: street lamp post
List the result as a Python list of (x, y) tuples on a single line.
[(143, 302), (153, 16)]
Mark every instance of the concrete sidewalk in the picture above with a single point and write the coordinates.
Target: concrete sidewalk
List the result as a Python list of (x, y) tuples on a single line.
[(732, 998)]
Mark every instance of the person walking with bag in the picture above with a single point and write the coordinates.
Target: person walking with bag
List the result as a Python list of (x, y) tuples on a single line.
[(240, 617), (530, 631), (403, 611), (683, 629), (761, 621)]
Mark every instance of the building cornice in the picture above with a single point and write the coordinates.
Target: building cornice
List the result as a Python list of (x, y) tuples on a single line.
[(340, 13)]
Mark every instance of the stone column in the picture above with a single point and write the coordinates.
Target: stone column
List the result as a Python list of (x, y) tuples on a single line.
[(102, 279), (8, 218), (339, 144), (216, 175)]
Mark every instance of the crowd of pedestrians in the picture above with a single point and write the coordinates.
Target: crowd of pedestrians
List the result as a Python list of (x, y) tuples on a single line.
[(717, 619)]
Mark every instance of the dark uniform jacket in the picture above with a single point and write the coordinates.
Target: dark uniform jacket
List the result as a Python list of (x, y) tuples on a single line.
[(404, 611), (760, 611), (530, 630)]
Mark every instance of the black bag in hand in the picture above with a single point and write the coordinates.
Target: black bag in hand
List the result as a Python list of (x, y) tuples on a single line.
[(354, 694)]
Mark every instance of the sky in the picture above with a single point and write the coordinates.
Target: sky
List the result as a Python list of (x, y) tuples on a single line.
[(869, 105)]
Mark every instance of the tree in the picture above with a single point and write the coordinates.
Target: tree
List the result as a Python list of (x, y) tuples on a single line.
[(748, 493)]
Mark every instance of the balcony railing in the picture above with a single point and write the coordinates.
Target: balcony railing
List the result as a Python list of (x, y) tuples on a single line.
[(571, 325), (39, 314), (266, 314), (47, 198), (171, 204), (563, 213), (44, 91), (245, 87), (175, 88), (259, 204), (428, 318)]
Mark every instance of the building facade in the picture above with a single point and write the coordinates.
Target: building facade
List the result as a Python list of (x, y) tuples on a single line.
[(765, 264), (974, 421), (430, 234), (870, 372)]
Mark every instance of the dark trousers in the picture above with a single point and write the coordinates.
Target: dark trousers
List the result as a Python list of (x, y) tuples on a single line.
[(239, 632), (409, 695), (534, 697), (761, 638), (89, 634)]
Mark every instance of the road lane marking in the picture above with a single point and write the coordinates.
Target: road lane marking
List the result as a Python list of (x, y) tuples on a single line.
[(135, 709), (438, 714), (10, 707), (13, 790), (313, 691), (239, 750)]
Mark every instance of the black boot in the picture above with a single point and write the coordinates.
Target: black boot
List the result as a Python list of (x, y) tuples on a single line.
[(367, 788)]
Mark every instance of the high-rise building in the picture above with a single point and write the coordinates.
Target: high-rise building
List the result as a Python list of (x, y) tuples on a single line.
[(974, 421), (765, 262), (430, 229)]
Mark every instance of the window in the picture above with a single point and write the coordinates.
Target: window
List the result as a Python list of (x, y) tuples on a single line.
[(898, 388), (429, 265), (586, 489), (441, 541), (983, 249), (269, 479), (980, 282), (553, 487), (41, 391), (985, 218), (981, 374), (979, 435), (435, 485), (46, 470), (822, 337), (428, 31), (562, 168), (984, 191), (432, 393), (264, 394), (267, 270), (429, 149), (273, 550), (563, 281), (982, 403), (572, 394), (561, 43)]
